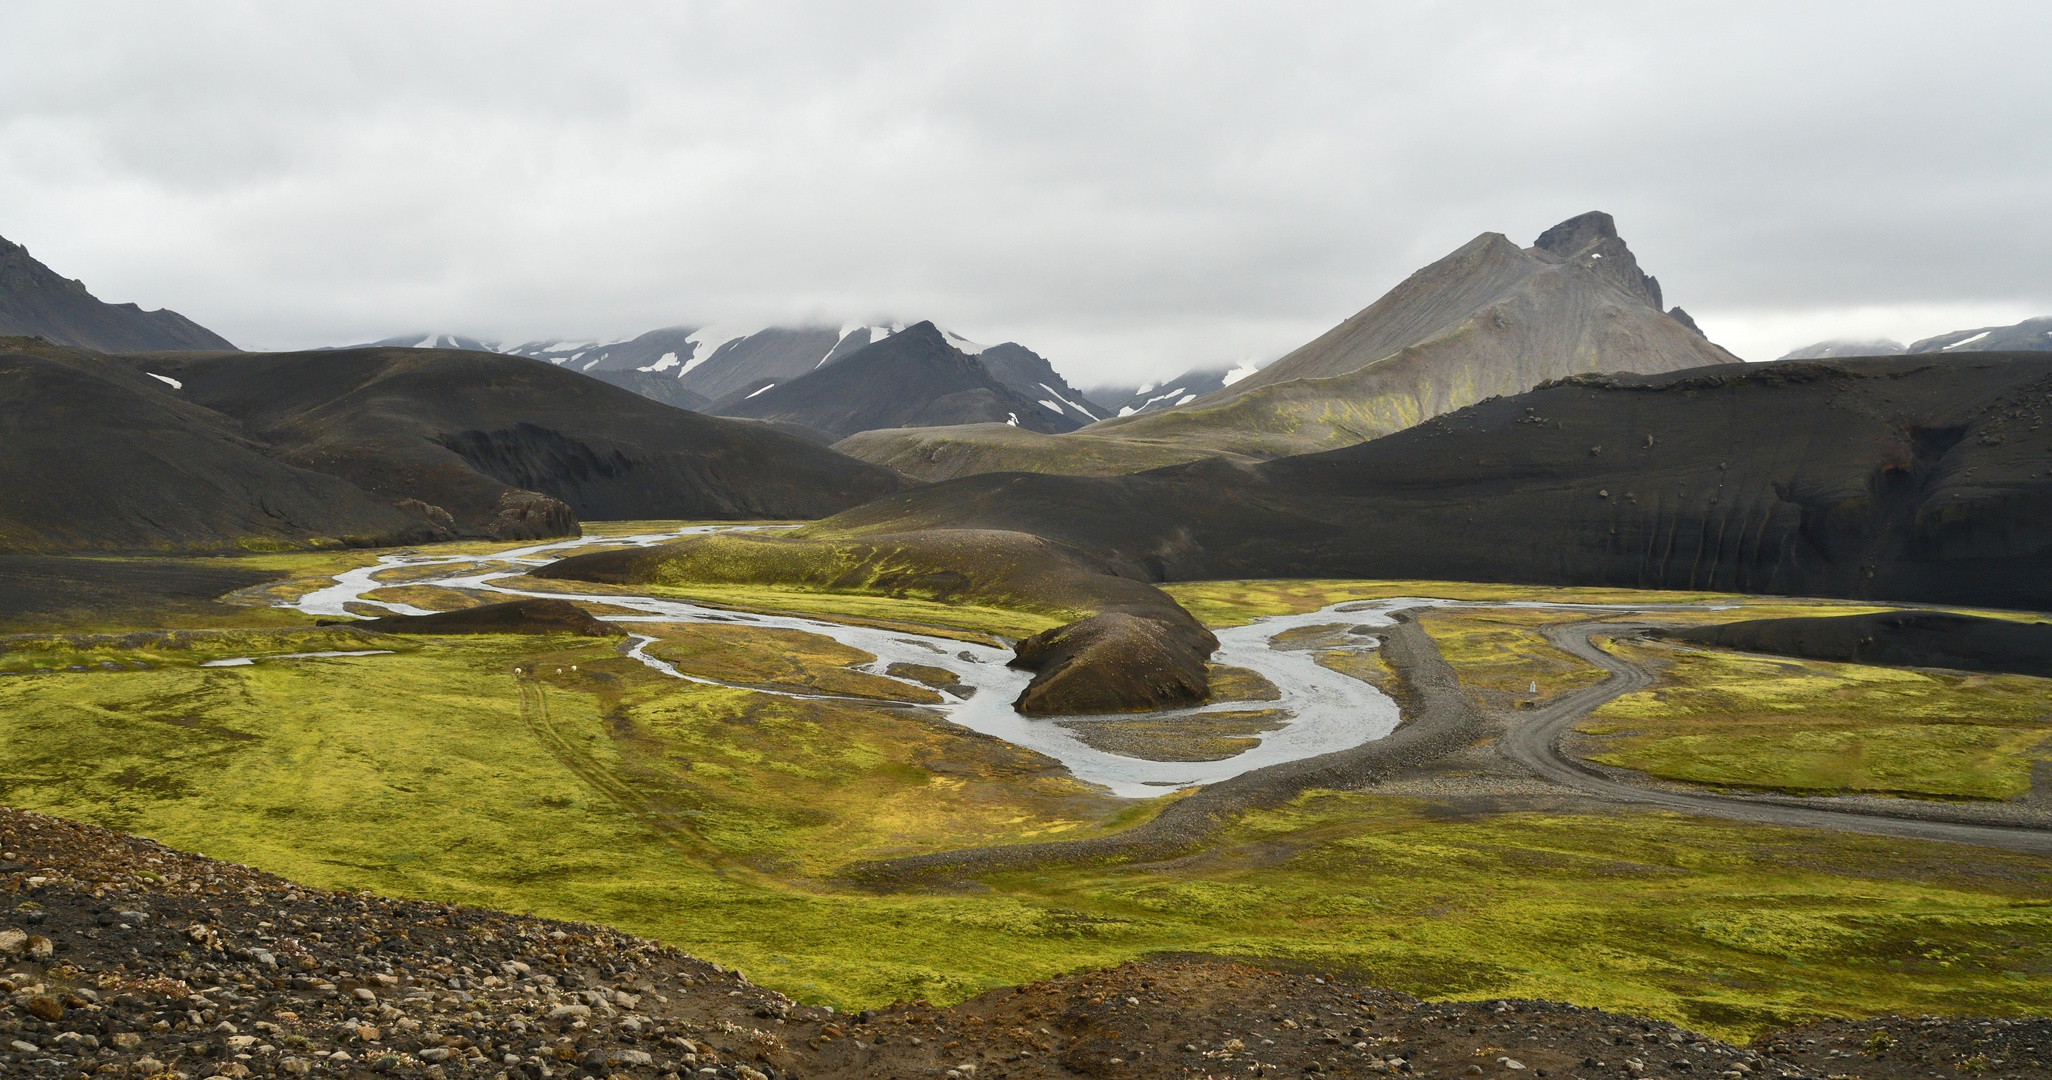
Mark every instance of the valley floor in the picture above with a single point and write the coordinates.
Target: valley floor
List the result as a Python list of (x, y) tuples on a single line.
[(745, 818)]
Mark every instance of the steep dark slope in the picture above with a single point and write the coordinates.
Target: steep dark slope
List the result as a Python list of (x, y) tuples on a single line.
[(36, 302), (1914, 478), (1028, 373), (478, 435), (913, 378), (101, 457)]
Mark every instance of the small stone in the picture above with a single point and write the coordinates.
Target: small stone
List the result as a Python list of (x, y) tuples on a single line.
[(40, 947), (635, 1057), (291, 1066), (364, 993), (746, 1073), (13, 942), (367, 1033), (21, 1047), (148, 1066), (1511, 1063), (570, 1012), (126, 1040), (45, 1008), (232, 1070), (435, 1054)]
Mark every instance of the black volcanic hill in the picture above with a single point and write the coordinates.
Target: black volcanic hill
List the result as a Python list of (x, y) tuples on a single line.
[(101, 456), (36, 302), (914, 378), (212, 451), (478, 434), (1941, 639), (1910, 478)]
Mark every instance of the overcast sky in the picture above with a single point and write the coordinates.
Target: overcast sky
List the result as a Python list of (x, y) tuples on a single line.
[(1131, 189)]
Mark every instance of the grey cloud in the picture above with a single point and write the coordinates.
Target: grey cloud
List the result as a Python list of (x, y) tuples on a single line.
[(1132, 189)]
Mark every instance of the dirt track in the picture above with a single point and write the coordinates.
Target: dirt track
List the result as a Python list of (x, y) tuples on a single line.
[(1535, 744)]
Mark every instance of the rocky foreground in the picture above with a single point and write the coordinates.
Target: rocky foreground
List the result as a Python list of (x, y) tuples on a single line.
[(123, 958)]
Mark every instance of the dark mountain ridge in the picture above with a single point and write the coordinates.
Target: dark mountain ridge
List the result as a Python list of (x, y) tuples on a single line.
[(475, 433), (914, 378), (101, 456), (194, 451), (36, 302), (1910, 478)]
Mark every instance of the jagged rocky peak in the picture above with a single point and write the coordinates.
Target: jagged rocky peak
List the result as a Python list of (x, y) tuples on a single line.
[(1591, 240)]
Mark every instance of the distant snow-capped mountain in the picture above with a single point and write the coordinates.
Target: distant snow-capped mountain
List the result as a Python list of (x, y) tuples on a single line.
[(1169, 393), (692, 367), (2030, 335)]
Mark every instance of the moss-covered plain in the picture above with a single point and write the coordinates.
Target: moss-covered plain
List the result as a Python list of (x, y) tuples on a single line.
[(715, 819), (1810, 726), (757, 656), (1502, 656), (555, 776)]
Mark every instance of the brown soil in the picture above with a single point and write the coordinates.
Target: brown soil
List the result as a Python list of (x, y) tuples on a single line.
[(1203, 737)]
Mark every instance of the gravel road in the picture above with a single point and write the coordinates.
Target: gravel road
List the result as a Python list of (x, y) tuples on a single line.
[(1535, 744)]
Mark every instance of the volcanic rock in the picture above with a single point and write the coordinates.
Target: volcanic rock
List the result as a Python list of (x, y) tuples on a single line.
[(1115, 662)]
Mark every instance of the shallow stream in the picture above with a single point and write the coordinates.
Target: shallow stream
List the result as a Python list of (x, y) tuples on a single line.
[(1320, 711)]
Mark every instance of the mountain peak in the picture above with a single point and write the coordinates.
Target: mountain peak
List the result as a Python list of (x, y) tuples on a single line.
[(36, 301), (1591, 240), (1570, 237)]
